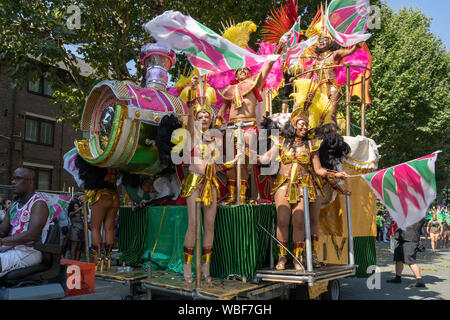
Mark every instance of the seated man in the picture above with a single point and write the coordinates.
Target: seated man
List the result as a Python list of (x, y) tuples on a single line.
[(25, 224)]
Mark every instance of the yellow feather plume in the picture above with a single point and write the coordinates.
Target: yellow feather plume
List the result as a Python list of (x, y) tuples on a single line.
[(239, 34)]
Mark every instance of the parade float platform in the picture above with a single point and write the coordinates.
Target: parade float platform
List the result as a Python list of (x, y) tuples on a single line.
[(324, 273), (173, 284), (242, 260)]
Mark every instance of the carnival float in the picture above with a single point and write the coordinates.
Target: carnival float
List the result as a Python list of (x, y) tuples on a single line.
[(283, 207)]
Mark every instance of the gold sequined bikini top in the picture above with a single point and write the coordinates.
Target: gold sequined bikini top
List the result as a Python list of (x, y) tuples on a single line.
[(303, 157), (206, 151)]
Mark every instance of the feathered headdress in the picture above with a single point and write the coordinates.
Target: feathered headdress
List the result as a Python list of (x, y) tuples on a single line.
[(239, 33), (318, 25)]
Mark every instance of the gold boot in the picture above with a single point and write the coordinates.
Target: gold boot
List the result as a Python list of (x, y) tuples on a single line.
[(298, 253), (206, 264), (97, 260), (231, 199), (243, 191), (281, 264), (107, 257), (315, 259), (102, 259), (187, 266)]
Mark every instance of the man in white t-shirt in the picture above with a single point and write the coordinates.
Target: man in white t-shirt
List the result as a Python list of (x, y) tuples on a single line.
[(25, 224)]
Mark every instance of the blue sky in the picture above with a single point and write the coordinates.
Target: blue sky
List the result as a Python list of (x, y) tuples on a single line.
[(438, 10)]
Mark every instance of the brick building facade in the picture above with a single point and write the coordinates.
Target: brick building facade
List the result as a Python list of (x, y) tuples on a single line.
[(40, 141)]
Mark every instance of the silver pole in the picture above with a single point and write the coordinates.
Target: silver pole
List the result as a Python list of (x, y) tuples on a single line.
[(239, 163), (272, 262), (309, 266), (198, 244), (350, 233)]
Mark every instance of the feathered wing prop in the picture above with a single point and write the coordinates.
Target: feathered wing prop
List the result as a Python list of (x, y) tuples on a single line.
[(280, 21), (361, 57)]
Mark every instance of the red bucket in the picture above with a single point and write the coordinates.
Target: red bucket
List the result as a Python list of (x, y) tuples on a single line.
[(80, 277)]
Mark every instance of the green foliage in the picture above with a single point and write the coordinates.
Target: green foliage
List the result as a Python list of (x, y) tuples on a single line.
[(409, 88), (110, 35)]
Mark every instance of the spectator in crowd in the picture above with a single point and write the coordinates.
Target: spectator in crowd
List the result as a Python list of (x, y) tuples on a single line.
[(63, 222), (25, 224), (407, 246), (379, 222), (2, 209), (434, 229), (76, 230), (386, 224)]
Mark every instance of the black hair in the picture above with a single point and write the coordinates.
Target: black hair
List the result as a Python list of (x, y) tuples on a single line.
[(269, 125), (168, 124), (72, 203), (130, 179), (93, 177), (288, 132), (333, 148)]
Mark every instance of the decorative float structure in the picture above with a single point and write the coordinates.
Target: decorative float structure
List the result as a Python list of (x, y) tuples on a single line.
[(122, 118)]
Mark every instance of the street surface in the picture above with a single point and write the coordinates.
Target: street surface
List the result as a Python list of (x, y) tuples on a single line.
[(435, 268)]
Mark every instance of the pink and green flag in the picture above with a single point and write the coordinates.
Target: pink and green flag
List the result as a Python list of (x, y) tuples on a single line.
[(407, 189), (205, 49), (57, 203), (69, 165), (293, 39), (294, 53), (347, 21)]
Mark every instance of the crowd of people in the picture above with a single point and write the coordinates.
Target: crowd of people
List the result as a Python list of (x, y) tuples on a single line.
[(436, 228)]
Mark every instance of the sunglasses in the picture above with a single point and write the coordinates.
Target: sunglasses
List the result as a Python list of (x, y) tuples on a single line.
[(19, 178)]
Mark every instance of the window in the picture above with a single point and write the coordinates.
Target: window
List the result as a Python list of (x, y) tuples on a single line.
[(47, 88), (44, 179), (39, 131), (31, 130), (43, 176), (42, 86), (34, 86)]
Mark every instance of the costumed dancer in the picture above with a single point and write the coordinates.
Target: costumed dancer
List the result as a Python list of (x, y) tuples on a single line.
[(434, 229), (104, 202), (201, 182), (299, 166), (326, 54), (241, 99)]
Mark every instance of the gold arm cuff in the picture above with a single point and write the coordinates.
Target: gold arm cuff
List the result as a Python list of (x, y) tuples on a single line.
[(218, 122)]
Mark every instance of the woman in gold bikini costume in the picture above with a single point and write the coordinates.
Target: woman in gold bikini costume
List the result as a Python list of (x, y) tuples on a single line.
[(103, 199), (201, 182), (299, 166)]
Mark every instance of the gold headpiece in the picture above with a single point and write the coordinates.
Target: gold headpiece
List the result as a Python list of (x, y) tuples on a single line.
[(298, 114), (203, 104), (318, 25)]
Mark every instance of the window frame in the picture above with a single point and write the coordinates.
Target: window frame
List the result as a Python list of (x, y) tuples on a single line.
[(41, 93), (39, 121), (37, 170)]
